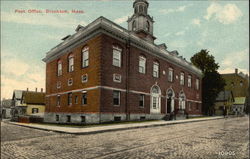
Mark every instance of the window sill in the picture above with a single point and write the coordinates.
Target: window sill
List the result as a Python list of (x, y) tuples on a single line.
[(116, 105)]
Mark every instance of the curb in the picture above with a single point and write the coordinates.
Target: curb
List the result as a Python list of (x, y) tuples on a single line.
[(116, 129)]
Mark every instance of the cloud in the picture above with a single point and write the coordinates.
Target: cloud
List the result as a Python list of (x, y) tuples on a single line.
[(180, 33), (121, 20), (20, 74), (235, 60), (196, 21), (179, 9), (224, 14), (49, 19)]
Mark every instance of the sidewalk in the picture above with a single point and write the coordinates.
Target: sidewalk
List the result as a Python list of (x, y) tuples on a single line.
[(115, 127)]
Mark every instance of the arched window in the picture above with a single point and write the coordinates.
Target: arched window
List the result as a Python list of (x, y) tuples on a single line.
[(71, 63), (140, 8), (182, 100), (147, 26), (85, 56), (59, 68), (155, 99), (134, 25)]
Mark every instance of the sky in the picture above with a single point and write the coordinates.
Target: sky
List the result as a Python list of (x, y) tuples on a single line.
[(221, 27)]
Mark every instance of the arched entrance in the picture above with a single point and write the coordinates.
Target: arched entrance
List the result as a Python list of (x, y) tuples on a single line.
[(155, 99), (182, 101), (170, 100)]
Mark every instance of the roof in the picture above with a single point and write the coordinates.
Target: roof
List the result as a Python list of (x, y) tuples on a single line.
[(105, 26), (239, 100), (34, 98), (17, 94), (224, 95)]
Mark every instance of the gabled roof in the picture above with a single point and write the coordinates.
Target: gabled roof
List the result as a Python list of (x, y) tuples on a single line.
[(34, 98), (240, 100), (17, 94), (224, 95)]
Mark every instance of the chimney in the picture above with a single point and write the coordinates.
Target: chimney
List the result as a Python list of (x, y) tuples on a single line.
[(36, 89), (41, 89), (236, 71), (27, 89)]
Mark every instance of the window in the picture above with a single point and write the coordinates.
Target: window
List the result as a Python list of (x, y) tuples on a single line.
[(134, 26), (197, 84), (70, 82), (147, 26), (69, 98), (84, 78), (58, 100), (141, 101), (34, 110), (154, 102), (83, 119), (140, 8), (170, 75), (58, 84), (232, 84), (84, 98), (59, 68), (71, 63), (117, 56), (116, 97), (76, 99), (117, 78), (189, 81), (189, 106), (142, 64), (182, 79), (117, 118), (85, 56), (197, 106), (156, 69), (241, 83), (68, 118), (57, 117)]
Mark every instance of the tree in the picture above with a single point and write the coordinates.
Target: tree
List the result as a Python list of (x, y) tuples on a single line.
[(212, 82)]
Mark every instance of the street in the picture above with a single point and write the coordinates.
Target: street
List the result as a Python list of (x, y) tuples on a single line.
[(222, 138)]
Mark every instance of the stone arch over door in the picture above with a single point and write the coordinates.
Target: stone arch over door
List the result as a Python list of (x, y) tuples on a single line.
[(170, 100), (182, 100), (155, 99)]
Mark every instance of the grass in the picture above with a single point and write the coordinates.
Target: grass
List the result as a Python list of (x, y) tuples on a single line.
[(95, 125)]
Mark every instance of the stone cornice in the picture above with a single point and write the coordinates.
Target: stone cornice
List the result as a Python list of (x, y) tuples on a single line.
[(101, 25)]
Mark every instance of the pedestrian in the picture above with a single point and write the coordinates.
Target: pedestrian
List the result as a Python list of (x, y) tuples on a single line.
[(225, 112)]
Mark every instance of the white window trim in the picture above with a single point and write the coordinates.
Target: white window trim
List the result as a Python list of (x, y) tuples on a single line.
[(58, 105), (119, 97), (58, 84), (197, 84), (189, 81), (182, 80), (85, 50), (84, 92), (170, 78), (86, 78), (71, 65), (141, 58), (119, 56), (59, 69), (114, 79), (156, 65), (143, 99)]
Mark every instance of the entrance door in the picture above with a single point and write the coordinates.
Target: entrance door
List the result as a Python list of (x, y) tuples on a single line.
[(169, 106)]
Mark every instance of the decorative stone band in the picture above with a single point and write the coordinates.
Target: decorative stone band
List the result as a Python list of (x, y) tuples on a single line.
[(111, 88)]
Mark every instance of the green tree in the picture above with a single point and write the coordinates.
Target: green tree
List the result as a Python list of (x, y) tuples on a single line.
[(212, 82)]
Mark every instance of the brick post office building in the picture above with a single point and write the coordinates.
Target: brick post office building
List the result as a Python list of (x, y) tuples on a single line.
[(104, 72)]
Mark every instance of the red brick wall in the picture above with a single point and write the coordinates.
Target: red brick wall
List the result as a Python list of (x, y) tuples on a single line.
[(141, 82), (93, 71)]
